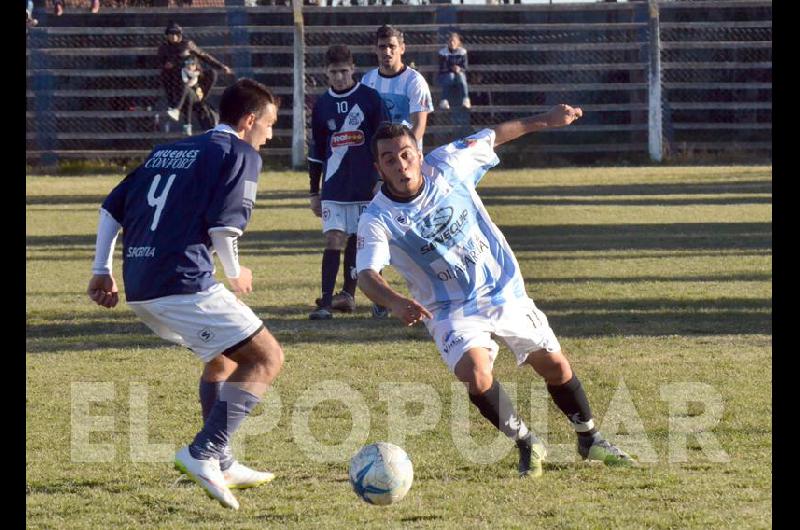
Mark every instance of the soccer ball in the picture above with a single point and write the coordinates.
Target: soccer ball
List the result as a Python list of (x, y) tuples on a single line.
[(381, 473)]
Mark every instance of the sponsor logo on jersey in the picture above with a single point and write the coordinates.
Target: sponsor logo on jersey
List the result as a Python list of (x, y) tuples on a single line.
[(402, 219), (172, 158), (468, 255), (360, 242), (347, 139), (205, 334), (450, 340), (464, 143), (355, 118), (436, 222), (332, 124), (446, 232), (140, 252)]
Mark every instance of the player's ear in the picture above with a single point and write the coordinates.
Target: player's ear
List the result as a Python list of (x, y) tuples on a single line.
[(246, 122)]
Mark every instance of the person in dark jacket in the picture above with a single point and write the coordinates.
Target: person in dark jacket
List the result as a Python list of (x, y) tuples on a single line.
[(172, 55), (452, 72)]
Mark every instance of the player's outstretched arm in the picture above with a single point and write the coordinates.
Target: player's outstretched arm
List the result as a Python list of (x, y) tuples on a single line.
[(373, 285), (558, 116)]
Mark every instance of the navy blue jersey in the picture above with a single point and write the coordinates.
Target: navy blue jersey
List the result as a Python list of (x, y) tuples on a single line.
[(342, 126), (167, 205)]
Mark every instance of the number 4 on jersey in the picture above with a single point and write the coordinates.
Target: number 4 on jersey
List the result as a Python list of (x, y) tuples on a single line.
[(158, 202)]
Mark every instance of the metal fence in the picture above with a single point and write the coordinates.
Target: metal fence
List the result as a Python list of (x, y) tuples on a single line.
[(94, 89)]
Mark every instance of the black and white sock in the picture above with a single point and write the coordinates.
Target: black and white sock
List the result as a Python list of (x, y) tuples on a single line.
[(571, 399), (495, 406)]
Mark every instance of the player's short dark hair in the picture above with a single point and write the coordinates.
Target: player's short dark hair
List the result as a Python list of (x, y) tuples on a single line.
[(387, 32), (454, 34), (338, 53), (388, 131), (243, 97)]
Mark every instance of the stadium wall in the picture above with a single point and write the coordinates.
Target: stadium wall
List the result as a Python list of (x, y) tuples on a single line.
[(93, 89)]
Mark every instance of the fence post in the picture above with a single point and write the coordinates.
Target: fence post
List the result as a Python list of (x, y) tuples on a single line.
[(654, 86), (299, 93), (42, 85)]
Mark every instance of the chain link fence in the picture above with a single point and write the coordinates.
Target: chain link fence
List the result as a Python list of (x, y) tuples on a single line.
[(95, 89)]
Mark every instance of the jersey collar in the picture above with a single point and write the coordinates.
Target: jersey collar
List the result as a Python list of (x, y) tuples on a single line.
[(344, 94), (401, 72), (224, 127)]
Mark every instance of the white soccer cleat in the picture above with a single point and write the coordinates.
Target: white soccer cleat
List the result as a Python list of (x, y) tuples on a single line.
[(207, 474), (175, 114), (239, 476), (466, 103), (444, 104)]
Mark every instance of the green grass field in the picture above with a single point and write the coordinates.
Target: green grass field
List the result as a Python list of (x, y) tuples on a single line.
[(651, 278)]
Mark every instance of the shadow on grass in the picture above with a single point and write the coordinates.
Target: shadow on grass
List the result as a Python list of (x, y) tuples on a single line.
[(582, 237), (569, 319)]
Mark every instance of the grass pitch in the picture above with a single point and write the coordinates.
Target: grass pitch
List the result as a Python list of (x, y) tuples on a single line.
[(656, 280)]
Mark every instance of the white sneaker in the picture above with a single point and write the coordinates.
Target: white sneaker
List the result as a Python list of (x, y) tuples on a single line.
[(466, 103), (239, 476), (444, 104), (175, 114), (207, 474)]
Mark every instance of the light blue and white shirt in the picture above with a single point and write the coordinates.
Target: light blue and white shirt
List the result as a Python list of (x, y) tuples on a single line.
[(405, 93), (453, 257)]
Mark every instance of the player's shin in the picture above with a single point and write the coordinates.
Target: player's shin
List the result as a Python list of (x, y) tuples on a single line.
[(496, 406), (209, 393), (330, 269), (350, 279), (229, 410), (571, 399)]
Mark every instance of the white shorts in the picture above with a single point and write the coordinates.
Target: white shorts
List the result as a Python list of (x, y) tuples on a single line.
[(208, 322), (519, 324), (342, 216)]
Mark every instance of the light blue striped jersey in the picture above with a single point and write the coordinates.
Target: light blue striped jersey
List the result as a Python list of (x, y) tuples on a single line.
[(404, 93), (453, 257)]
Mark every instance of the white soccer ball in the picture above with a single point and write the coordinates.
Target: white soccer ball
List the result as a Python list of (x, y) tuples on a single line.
[(381, 473)]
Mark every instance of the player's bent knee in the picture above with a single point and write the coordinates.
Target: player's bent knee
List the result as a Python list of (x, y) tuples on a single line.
[(477, 379), (218, 369), (552, 366)]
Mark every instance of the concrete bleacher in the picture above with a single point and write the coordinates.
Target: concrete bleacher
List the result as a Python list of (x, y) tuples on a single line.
[(94, 90)]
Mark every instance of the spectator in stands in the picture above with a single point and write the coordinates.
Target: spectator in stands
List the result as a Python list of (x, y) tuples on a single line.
[(193, 99), (172, 55), (58, 6), (29, 20), (452, 72)]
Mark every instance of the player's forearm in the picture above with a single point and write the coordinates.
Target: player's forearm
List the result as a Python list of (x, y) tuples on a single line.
[(226, 245), (513, 129), (314, 176), (107, 232), (419, 120), (375, 287), (560, 115)]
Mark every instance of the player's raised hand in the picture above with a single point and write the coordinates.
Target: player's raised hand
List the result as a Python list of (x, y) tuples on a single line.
[(562, 115), (103, 290), (316, 205), (409, 311), (244, 283)]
